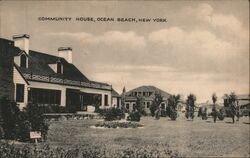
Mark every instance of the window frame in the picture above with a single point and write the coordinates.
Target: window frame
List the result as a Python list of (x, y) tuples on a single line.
[(23, 61), (20, 92)]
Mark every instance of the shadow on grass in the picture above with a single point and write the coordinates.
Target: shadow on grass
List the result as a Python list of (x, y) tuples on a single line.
[(246, 123), (229, 122), (208, 121)]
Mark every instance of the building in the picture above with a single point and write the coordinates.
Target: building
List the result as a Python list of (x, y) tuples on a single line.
[(46, 79), (116, 99), (148, 94)]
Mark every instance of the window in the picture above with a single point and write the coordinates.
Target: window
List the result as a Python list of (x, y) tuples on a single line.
[(59, 67), (127, 106), (148, 104), (106, 100), (23, 60), (133, 106), (44, 96), (19, 92)]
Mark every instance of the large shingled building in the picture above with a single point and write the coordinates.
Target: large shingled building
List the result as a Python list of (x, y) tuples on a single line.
[(49, 80)]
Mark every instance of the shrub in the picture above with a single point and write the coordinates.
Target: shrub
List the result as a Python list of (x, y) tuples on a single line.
[(18, 124), (112, 114), (33, 117), (10, 113), (134, 116)]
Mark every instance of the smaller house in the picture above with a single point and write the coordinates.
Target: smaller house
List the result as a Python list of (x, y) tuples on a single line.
[(244, 101), (148, 94)]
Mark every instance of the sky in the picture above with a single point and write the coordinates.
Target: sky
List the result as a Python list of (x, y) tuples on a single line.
[(203, 48)]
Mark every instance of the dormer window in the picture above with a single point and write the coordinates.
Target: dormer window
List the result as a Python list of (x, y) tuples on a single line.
[(59, 68), (23, 61)]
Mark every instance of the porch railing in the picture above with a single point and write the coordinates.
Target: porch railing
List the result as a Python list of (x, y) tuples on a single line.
[(42, 78)]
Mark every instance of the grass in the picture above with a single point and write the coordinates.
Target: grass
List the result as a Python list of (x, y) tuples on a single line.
[(196, 138), (158, 138)]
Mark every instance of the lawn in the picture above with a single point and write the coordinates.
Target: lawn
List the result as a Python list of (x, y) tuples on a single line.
[(198, 138)]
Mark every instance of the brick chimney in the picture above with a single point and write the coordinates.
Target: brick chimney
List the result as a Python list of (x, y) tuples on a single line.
[(22, 41), (66, 53)]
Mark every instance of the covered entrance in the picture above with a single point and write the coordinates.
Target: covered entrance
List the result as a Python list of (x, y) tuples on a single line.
[(79, 101)]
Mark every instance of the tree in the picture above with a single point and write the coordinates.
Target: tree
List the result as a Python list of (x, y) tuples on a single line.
[(156, 103), (124, 90), (140, 104), (214, 98), (214, 111), (173, 100), (230, 105), (190, 105), (123, 99)]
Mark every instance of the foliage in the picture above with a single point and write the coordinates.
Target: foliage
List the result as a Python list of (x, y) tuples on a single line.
[(214, 110), (139, 106), (173, 100), (34, 115), (156, 103), (214, 98), (229, 99), (203, 113), (10, 113), (191, 100), (190, 106), (85, 151), (113, 113), (134, 116), (18, 124), (230, 105)]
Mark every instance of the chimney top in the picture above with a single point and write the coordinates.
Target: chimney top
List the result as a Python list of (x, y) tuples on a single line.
[(21, 36), (64, 48)]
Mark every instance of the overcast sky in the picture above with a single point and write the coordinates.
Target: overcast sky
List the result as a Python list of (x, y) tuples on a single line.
[(201, 49)]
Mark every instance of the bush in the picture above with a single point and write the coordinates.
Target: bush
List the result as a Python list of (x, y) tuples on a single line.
[(18, 124), (87, 151), (34, 120), (112, 114), (9, 113), (134, 116)]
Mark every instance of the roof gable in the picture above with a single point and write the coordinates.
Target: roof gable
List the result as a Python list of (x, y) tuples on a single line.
[(39, 65), (148, 89)]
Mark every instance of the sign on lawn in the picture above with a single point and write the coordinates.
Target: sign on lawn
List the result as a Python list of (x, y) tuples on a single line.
[(35, 135)]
